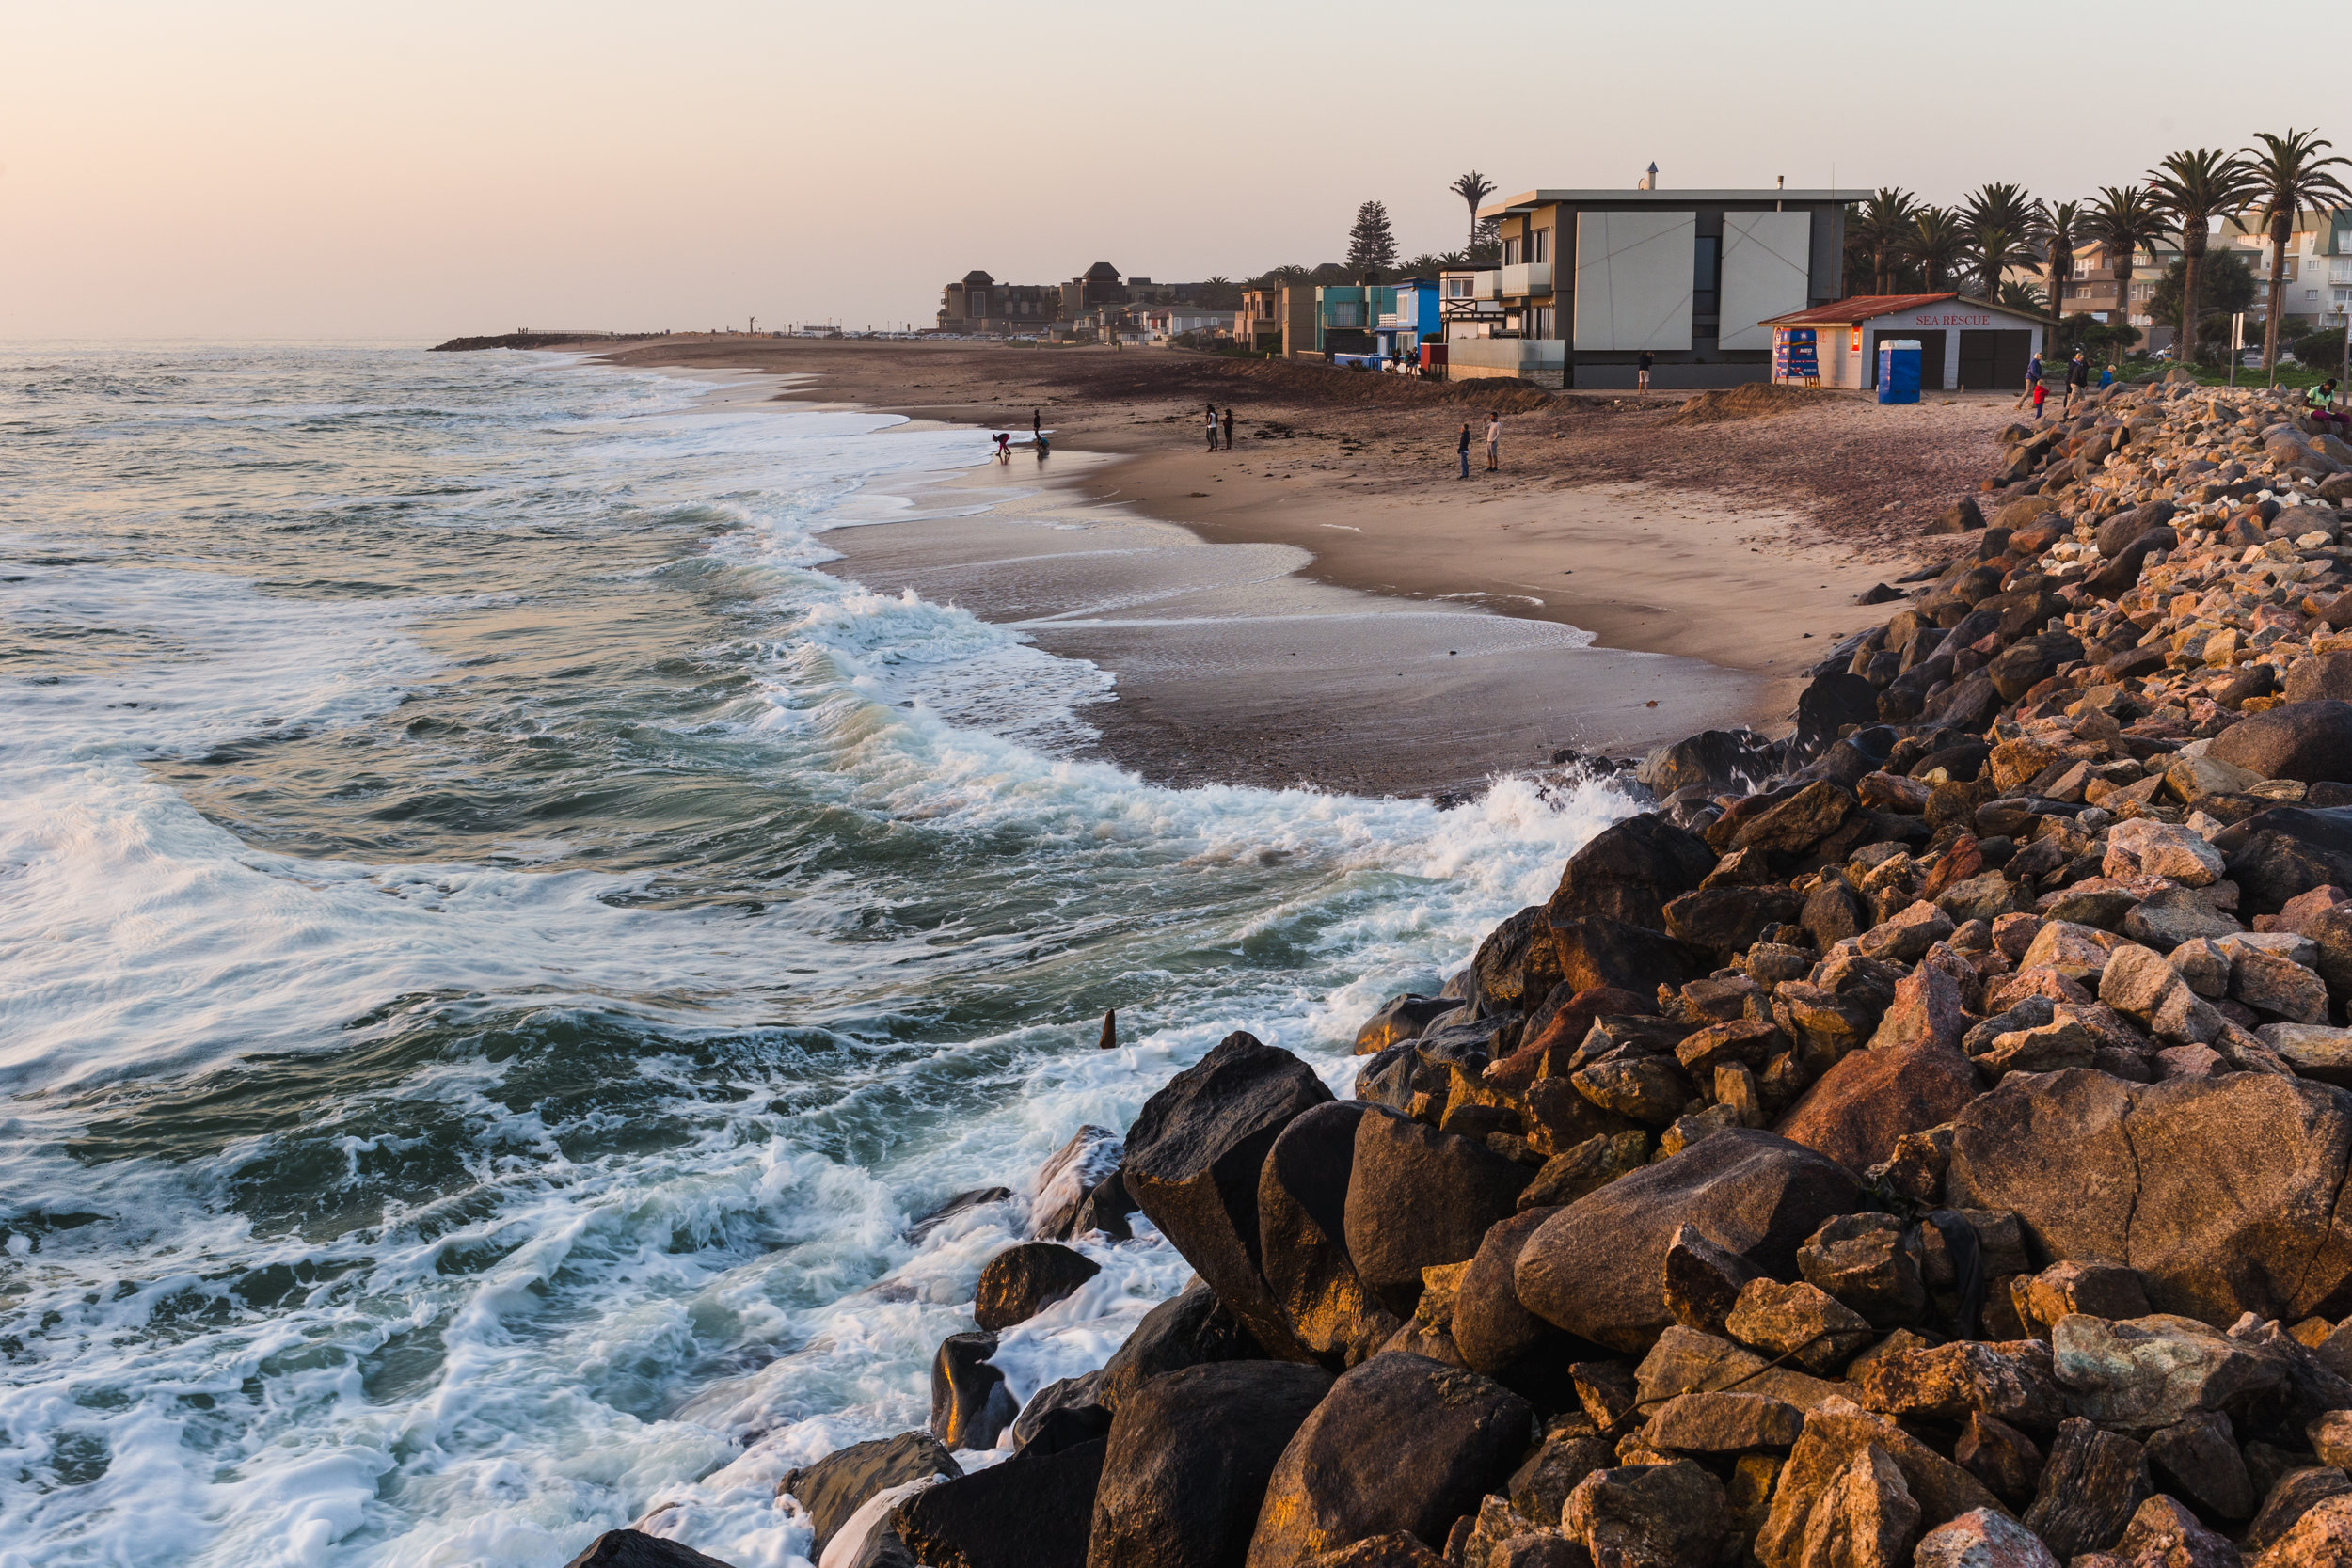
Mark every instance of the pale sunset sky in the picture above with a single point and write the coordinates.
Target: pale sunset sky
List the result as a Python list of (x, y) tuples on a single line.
[(262, 169)]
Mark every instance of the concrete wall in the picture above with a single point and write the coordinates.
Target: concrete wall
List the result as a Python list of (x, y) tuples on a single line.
[(1767, 262), (1612, 378)]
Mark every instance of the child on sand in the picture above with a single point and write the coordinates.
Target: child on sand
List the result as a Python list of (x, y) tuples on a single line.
[(2040, 391), (1004, 449)]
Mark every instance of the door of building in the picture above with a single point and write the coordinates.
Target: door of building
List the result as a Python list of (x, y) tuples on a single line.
[(1994, 360), (1931, 341)]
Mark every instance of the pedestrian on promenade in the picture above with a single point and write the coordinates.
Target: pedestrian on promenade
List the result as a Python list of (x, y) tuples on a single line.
[(1494, 442), (1213, 427), (1640, 372), (2033, 379), (1464, 449), (2077, 378), (1229, 427)]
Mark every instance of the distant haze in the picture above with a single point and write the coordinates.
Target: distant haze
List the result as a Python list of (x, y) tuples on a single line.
[(235, 168)]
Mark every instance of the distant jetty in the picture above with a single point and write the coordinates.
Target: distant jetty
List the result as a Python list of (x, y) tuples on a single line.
[(526, 338)]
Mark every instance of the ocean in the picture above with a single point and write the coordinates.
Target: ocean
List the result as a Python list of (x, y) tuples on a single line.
[(495, 951)]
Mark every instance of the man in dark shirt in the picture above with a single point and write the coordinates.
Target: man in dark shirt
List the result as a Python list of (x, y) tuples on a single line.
[(1464, 449), (2077, 378)]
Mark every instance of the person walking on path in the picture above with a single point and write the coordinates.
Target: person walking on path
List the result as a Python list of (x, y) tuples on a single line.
[(2077, 378), (1494, 442), (1213, 427), (1464, 449), (2033, 379), (1640, 372), (1036, 424), (1229, 427)]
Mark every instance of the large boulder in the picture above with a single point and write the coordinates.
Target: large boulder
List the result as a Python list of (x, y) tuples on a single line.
[(1828, 705), (1065, 1181), (1858, 1110), (1302, 1231), (1400, 1443), (2310, 741), (2281, 853), (1716, 759), (1648, 1515), (1629, 871), (1419, 1198), (1517, 965), (1497, 1335), (1597, 1267), (2222, 1192), (970, 1404), (1610, 953), (1835, 1433), (838, 1485), (1188, 1461), (1189, 1329), (1021, 1281), (1192, 1161), (630, 1549), (1033, 1511)]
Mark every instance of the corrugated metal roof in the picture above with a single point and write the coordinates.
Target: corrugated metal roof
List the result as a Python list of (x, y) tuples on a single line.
[(1863, 308)]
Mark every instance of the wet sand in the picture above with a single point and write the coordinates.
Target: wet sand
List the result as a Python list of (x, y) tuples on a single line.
[(1327, 603)]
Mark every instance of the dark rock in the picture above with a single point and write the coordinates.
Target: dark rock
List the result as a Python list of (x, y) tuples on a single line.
[(1192, 1164), (1597, 1267), (1829, 703), (1400, 1443), (1716, 759), (1302, 1221), (1870, 1262), (2124, 527), (1627, 872), (1649, 1515), (962, 1203), (840, 1484), (1723, 1423), (2309, 742), (1501, 1339), (2010, 1382), (1624, 957), (1702, 1280), (2199, 1458), (1188, 1461), (1833, 911), (1394, 1550), (1585, 1168), (2002, 1457), (2220, 1192), (2278, 854), (970, 1404), (1870, 1099), (2165, 1531), (2024, 664), (1539, 1488), (1021, 1281), (628, 1548), (1068, 1179), (1400, 1018), (1651, 1090), (1802, 819), (1418, 1198), (1518, 964), (1064, 1413), (1033, 1511), (1187, 1330), (2092, 1486), (1798, 1322), (1728, 919), (1105, 1210)]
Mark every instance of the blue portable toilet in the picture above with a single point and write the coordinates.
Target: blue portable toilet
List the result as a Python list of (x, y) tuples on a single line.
[(1898, 370)]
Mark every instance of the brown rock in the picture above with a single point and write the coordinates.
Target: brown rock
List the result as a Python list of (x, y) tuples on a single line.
[(2294, 1495), (1984, 1538), (1651, 1090), (1649, 1515), (1870, 1262), (2011, 1382), (1586, 1167), (1703, 1280), (1024, 1280), (2090, 1285), (2165, 1532), (1416, 1197), (1396, 1549), (1810, 814), (1302, 1221), (2002, 1457), (2153, 1371), (1628, 871), (2198, 1457), (2092, 1486), (2320, 1538), (1863, 1106), (1834, 1432), (1864, 1519), (1800, 1322), (1723, 1423)]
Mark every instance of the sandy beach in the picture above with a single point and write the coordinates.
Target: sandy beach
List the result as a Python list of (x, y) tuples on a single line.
[(1328, 603)]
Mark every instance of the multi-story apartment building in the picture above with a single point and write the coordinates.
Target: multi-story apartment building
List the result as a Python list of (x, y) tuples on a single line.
[(1591, 280), (2317, 276), (978, 303)]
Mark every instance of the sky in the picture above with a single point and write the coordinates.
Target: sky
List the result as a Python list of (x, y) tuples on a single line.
[(265, 169)]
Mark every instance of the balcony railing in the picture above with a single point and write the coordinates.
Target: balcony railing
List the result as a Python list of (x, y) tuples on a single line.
[(1514, 355), (1521, 279)]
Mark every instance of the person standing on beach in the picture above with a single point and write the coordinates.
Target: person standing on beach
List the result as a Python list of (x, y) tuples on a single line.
[(1037, 425), (1464, 449), (1640, 372), (1213, 427), (1229, 427), (1494, 442), (2033, 379), (2077, 378)]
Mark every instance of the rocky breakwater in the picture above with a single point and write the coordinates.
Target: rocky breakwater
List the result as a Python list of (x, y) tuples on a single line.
[(1920, 1140)]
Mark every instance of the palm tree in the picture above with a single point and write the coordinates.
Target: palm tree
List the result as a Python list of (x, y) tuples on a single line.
[(2125, 222), (2190, 189), (1884, 224), (2289, 175), (1993, 249), (1998, 218), (2022, 296), (1937, 242), (1473, 188), (2053, 235), (1424, 265)]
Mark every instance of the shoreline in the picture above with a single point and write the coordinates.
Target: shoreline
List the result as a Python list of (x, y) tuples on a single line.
[(1697, 608)]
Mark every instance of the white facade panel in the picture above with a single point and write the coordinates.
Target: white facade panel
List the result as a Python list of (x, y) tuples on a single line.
[(1633, 279), (1767, 260)]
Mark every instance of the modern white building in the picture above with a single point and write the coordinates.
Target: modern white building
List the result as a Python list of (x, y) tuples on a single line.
[(1592, 281), (1963, 344)]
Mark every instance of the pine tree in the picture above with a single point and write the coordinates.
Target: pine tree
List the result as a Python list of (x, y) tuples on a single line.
[(1370, 244)]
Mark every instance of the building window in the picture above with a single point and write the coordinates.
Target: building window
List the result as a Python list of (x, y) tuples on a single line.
[(1543, 249), (1705, 263), (1512, 250), (1539, 322)]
